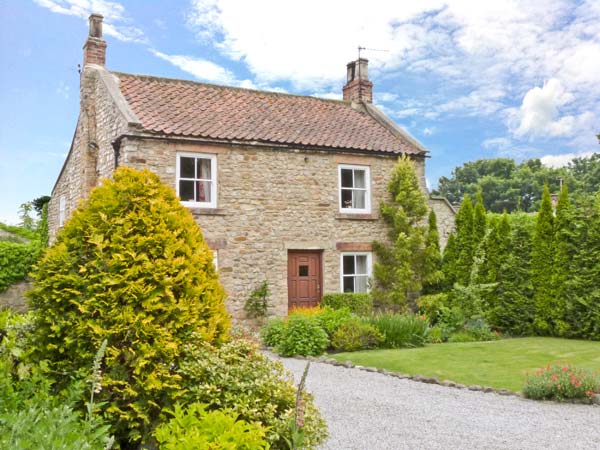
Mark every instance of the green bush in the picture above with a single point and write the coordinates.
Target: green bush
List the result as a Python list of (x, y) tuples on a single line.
[(238, 377), (450, 320), (462, 336), (431, 304), (354, 335), (194, 428), (401, 330), (272, 332), (130, 266), (257, 304), (561, 382), (16, 261), (302, 335), (480, 330), (35, 418), (331, 319), (436, 335), (360, 304)]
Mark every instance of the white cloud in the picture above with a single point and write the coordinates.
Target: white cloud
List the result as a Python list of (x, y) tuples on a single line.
[(562, 159), (328, 95), (497, 143), (539, 114), (201, 68), (115, 22), (486, 56), (427, 131)]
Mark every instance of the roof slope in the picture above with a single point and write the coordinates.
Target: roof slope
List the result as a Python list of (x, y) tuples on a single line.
[(191, 109)]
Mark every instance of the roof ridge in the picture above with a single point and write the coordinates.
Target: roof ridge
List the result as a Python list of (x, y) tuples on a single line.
[(223, 86)]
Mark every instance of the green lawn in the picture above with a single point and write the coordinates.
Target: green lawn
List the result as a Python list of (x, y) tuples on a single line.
[(499, 364)]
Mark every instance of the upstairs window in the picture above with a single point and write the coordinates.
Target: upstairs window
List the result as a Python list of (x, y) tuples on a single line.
[(356, 271), (197, 179), (355, 192)]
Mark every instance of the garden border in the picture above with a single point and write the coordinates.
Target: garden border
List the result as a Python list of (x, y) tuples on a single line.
[(594, 401)]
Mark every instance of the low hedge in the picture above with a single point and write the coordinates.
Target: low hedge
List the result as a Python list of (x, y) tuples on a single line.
[(359, 304), (16, 261)]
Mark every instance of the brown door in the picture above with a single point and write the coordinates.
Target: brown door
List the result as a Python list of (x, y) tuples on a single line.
[(304, 279)]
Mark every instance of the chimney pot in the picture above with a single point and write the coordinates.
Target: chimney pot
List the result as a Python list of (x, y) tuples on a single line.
[(94, 49), (96, 26), (358, 86)]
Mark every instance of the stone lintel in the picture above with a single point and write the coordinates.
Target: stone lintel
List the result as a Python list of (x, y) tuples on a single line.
[(354, 246)]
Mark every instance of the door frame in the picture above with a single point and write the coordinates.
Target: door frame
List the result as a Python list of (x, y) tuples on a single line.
[(319, 253)]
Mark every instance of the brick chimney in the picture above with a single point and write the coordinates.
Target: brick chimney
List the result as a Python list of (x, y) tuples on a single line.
[(94, 49), (358, 87)]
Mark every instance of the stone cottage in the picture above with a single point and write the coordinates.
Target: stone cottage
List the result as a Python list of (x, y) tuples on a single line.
[(285, 187)]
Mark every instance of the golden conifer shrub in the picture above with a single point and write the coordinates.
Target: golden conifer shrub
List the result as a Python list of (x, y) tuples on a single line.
[(130, 266)]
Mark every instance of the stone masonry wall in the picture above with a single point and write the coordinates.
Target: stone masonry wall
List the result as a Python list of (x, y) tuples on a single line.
[(92, 157), (269, 202)]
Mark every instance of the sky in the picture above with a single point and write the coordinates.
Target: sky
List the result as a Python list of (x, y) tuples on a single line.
[(469, 79)]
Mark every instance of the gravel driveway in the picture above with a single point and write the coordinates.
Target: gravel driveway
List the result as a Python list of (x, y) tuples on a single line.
[(371, 411)]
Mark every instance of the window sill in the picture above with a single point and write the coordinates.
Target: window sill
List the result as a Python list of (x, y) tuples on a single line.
[(207, 211), (370, 216)]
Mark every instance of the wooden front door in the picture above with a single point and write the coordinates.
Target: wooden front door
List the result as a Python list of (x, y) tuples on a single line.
[(304, 279)]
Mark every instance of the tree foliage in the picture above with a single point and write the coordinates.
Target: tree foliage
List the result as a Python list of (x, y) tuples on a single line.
[(507, 185), (130, 266), (399, 271)]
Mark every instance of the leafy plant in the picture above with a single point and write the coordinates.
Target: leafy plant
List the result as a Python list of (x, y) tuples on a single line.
[(561, 382), (436, 335), (360, 304), (332, 319), (257, 304), (16, 261), (195, 428), (302, 335), (130, 266), (272, 332), (430, 304), (355, 335), (462, 336), (33, 417), (236, 376), (401, 330)]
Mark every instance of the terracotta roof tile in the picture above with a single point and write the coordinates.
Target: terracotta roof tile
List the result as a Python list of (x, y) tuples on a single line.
[(186, 108)]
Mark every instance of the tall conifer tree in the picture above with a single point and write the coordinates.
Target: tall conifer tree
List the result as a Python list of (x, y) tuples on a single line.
[(542, 267), (433, 258), (566, 248), (464, 242), (479, 221), (399, 271)]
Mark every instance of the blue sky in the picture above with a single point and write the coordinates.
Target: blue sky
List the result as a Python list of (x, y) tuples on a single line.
[(469, 79)]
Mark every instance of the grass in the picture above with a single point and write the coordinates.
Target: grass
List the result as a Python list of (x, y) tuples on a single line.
[(499, 364)]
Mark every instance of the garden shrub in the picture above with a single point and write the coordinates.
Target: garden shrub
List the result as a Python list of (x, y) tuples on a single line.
[(16, 261), (355, 335), (450, 320), (462, 336), (238, 377), (130, 266), (302, 335), (331, 319), (431, 304), (257, 304), (561, 382), (360, 304), (272, 332), (35, 418), (480, 330), (195, 428), (401, 330), (436, 335)]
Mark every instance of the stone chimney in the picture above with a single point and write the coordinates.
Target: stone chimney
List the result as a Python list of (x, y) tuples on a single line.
[(358, 87), (94, 49)]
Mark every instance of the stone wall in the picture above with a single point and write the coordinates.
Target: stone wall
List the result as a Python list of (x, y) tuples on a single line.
[(91, 157), (445, 217), (269, 202), (14, 297)]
